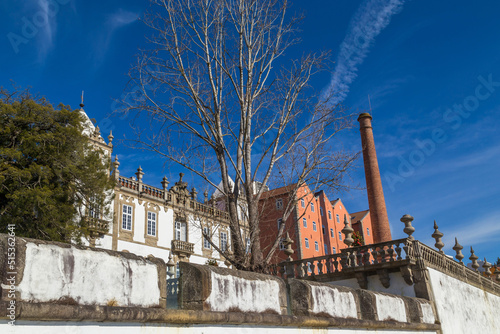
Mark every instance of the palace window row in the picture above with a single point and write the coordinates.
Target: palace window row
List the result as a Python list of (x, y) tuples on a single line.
[(180, 228)]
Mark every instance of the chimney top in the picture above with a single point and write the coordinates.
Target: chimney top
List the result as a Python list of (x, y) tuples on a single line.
[(364, 115)]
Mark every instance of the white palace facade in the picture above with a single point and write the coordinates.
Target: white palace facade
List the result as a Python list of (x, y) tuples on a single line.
[(161, 222)]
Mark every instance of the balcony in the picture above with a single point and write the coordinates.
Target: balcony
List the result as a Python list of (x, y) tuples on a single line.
[(182, 249), (97, 227)]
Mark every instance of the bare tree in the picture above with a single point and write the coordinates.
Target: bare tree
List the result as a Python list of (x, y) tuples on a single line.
[(222, 101)]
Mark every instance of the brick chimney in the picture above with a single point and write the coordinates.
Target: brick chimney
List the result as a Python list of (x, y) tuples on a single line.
[(376, 201)]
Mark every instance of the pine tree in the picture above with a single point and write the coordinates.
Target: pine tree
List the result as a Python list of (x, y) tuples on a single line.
[(49, 173)]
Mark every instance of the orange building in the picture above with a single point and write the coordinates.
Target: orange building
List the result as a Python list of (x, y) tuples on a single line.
[(314, 223), (362, 223)]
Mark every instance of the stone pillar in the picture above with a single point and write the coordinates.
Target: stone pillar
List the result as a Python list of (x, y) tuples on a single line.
[(376, 201)]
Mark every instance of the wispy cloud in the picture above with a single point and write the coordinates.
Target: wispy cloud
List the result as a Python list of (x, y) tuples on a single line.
[(470, 235), (367, 23), (44, 22), (121, 18), (114, 22)]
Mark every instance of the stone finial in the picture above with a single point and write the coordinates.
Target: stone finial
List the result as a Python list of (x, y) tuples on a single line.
[(487, 266), (205, 195), (116, 164), (473, 257), (288, 247), (165, 183), (438, 235), (407, 219), (139, 174), (458, 249), (97, 131), (170, 266), (110, 138), (181, 175), (347, 230), (194, 193)]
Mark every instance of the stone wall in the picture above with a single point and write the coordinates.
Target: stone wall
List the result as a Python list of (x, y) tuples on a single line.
[(61, 273), (98, 290), (320, 299), (462, 307)]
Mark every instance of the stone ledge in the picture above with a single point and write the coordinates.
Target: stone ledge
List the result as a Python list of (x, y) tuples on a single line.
[(56, 312)]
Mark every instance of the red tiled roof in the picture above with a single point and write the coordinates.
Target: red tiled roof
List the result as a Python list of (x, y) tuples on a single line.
[(357, 216), (278, 191)]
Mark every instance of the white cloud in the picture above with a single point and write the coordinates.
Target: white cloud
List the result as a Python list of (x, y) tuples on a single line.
[(122, 18), (483, 230), (45, 21), (114, 22), (367, 23)]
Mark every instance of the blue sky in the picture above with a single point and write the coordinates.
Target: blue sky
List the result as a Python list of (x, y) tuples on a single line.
[(432, 72)]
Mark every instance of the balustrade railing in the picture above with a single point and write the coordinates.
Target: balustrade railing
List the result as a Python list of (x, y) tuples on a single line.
[(354, 257), (182, 246), (128, 183), (161, 194), (152, 191)]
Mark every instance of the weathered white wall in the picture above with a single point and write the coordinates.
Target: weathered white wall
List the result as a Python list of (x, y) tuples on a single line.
[(390, 308), (24, 327), (230, 292), (398, 285), (463, 308), (89, 277), (329, 300)]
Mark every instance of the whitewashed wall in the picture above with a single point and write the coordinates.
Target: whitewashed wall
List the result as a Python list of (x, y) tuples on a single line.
[(88, 277), (463, 308), (24, 327), (230, 292), (398, 285)]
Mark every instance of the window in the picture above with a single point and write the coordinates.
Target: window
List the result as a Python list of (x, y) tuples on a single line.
[(302, 203), (323, 228), (304, 221), (312, 207), (314, 226), (316, 246), (223, 241), (127, 217), (331, 233), (334, 250), (340, 207), (206, 232), (340, 236), (94, 209), (279, 204), (180, 231), (321, 210), (152, 223), (338, 218), (307, 242), (248, 246), (326, 249), (367, 231), (279, 221), (329, 214)]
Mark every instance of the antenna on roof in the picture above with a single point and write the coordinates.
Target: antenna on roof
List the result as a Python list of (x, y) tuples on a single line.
[(81, 104)]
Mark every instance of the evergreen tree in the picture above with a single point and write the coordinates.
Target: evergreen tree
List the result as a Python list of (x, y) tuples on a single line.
[(50, 175)]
